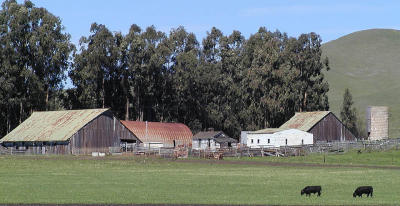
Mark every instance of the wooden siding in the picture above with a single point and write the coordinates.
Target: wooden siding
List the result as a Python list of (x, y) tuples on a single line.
[(97, 136), (329, 129)]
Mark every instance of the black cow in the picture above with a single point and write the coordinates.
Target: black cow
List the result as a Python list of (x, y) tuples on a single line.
[(363, 190), (311, 189)]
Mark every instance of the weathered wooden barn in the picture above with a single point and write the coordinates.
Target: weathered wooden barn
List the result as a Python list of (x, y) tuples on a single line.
[(68, 132), (276, 137), (324, 125), (213, 140), (160, 134)]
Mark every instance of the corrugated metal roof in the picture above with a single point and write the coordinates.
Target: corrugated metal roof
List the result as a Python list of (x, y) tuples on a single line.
[(267, 131), (207, 135), (225, 140), (52, 125), (160, 132), (304, 120)]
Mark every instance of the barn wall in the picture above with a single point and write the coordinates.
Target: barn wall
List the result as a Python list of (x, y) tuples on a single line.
[(331, 129), (103, 132), (97, 136)]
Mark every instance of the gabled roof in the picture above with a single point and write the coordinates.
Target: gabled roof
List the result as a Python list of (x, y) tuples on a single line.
[(160, 131), (267, 131), (208, 135), (304, 120), (218, 136), (52, 125)]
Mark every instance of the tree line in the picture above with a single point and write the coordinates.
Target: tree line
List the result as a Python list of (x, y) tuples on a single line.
[(226, 81)]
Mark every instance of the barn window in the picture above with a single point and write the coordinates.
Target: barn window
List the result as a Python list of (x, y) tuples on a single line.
[(286, 141), (302, 141), (199, 142), (258, 141), (269, 141), (251, 141)]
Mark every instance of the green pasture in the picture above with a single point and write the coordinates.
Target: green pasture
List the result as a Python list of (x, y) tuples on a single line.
[(366, 157), (68, 179)]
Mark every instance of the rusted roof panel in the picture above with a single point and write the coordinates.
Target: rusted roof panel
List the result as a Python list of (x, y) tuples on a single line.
[(160, 132), (304, 120), (52, 125)]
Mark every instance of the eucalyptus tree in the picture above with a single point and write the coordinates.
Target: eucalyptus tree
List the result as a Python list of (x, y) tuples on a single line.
[(35, 53), (305, 60), (93, 66), (184, 70), (262, 80)]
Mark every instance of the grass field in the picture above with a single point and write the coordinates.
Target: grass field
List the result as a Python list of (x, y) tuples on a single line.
[(371, 158), (67, 179)]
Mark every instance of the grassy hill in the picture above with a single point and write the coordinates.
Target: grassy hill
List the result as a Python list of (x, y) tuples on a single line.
[(368, 63)]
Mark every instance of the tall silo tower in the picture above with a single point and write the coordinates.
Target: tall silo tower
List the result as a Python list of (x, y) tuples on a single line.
[(377, 122)]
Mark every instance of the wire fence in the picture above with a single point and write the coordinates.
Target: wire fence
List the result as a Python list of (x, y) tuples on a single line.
[(241, 151)]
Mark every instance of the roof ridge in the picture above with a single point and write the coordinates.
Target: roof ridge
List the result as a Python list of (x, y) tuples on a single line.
[(72, 110)]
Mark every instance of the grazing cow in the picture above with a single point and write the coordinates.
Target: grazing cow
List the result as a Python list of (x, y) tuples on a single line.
[(363, 190), (311, 189)]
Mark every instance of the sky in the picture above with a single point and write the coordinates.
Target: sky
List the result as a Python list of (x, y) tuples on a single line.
[(329, 19)]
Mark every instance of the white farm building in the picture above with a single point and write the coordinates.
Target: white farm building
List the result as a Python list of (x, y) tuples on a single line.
[(275, 137), (212, 140)]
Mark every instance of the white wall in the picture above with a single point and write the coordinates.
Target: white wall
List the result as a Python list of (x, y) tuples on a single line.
[(277, 139), (257, 140), (243, 137), (204, 144), (153, 144)]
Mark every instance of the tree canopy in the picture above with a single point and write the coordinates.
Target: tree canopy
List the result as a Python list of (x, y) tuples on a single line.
[(224, 81)]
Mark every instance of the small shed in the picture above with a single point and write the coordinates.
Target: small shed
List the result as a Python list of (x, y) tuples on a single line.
[(275, 137), (213, 140), (160, 134), (68, 132), (324, 125)]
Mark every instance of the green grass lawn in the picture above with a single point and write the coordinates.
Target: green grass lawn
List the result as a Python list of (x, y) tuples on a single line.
[(379, 158), (67, 179)]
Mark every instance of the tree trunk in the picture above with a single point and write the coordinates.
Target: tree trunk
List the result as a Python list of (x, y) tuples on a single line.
[(305, 101), (103, 96), (47, 98), (20, 112), (127, 108), (8, 120)]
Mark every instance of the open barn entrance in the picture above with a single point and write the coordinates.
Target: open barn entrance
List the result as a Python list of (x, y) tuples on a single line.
[(127, 145)]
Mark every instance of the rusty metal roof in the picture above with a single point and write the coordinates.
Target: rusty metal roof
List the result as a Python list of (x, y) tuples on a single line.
[(160, 132), (52, 125), (304, 120)]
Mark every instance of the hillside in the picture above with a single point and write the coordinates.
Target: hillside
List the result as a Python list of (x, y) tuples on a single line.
[(368, 63)]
